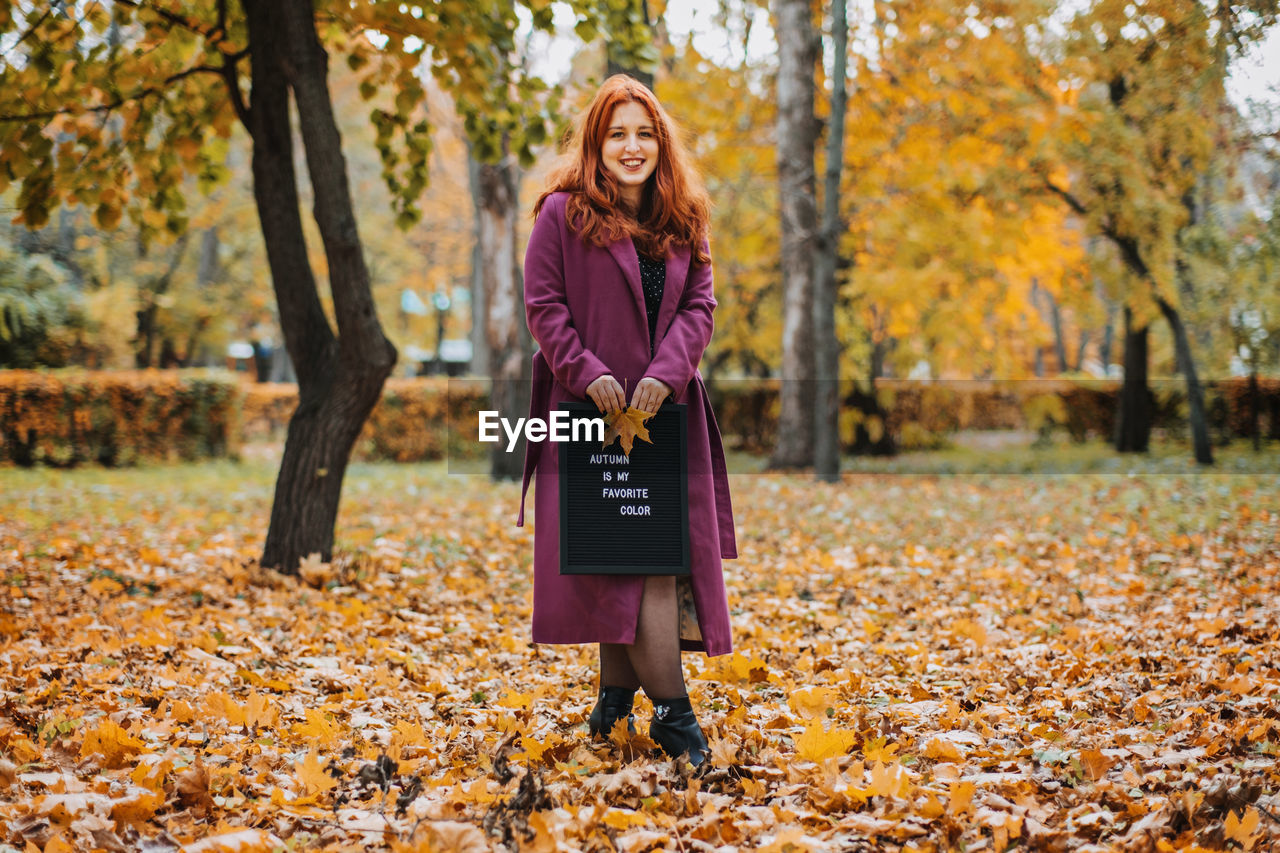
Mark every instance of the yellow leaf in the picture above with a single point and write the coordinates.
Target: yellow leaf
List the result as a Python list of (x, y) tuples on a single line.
[(961, 798), (942, 749), (1244, 830), (516, 700), (813, 702), (58, 844), (624, 819), (258, 712), (137, 808), (536, 750), (878, 749), (316, 728), (219, 704), (114, 743), (311, 773), (818, 745), (890, 780)]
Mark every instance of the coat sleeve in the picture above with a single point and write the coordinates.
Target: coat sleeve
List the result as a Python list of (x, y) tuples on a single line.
[(546, 304), (681, 349)]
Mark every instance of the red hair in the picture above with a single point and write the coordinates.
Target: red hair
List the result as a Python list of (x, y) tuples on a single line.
[(674, 209)]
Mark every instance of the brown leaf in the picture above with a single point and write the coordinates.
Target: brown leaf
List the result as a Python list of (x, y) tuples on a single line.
[(192, 787)]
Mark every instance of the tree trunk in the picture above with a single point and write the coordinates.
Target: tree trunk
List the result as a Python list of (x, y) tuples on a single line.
[(1081, 345), (1133, 419), (1108, 339), (1255, 408), (339, 379), (506, 335), (797, 133), (148, 315), (1195, 394), (826, 348), (479, 309)]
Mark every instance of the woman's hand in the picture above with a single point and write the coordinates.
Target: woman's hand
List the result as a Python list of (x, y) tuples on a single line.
[(649, 394), (607, 394)]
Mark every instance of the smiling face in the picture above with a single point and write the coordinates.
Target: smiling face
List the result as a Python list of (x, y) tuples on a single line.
[(630, 150)]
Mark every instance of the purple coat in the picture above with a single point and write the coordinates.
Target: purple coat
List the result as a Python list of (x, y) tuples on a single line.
[(586, 310)]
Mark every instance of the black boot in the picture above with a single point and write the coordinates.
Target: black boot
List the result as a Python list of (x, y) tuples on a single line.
[(676, 730), (614, 704)]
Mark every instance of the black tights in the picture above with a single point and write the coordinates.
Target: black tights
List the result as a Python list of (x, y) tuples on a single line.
[(653, 660)]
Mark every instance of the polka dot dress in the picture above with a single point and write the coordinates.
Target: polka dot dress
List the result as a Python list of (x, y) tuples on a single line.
[(653, 278)]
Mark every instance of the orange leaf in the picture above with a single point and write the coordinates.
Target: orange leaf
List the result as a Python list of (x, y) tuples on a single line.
[(1095, 763), (626, 426), (1243, 829)]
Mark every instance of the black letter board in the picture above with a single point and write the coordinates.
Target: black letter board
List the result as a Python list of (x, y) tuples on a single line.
[(626, 516)]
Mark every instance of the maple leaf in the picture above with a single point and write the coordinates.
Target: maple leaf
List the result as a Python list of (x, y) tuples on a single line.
[(1242, 829), (890, 780), (311, 773), (315, 571), (813, 702), (625, 426), (1095, 763), (114, 743), (817, 745)]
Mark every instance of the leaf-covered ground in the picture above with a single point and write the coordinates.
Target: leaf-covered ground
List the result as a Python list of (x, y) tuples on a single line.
[(929, 663)]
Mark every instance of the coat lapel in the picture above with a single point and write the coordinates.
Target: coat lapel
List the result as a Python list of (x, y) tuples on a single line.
[(673, 289), (624, 252)]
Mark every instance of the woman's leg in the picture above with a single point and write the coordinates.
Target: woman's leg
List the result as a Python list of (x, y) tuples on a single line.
[(615, 667), (655, 655)]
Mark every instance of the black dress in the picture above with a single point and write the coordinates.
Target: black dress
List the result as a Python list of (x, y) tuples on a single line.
[(653, 278)]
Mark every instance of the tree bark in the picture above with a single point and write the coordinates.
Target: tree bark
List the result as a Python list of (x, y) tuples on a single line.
[(1133, 418), (506, 335), (1081, 345), (797, 133), (1195, 394), (479, 310), (339, 378), (1255, 408), (826, 350)]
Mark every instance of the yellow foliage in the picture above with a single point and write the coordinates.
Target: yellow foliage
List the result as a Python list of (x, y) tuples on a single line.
[(111, 741)]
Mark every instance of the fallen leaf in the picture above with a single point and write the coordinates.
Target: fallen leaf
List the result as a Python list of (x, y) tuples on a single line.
[(815, 744)]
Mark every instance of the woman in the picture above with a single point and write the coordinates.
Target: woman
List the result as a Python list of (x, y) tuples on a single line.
[(618, 295)]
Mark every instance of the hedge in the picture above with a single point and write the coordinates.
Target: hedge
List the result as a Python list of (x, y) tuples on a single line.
[(64, 418)]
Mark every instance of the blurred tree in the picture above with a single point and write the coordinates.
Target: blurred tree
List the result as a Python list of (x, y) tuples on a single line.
[(826, 452), (1150, 79), (797, 136), (945, 233), (41, 313), (738, 161)]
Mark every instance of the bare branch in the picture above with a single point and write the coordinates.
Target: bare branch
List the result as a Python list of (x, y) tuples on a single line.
[(1066, 196), (230, 74)]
